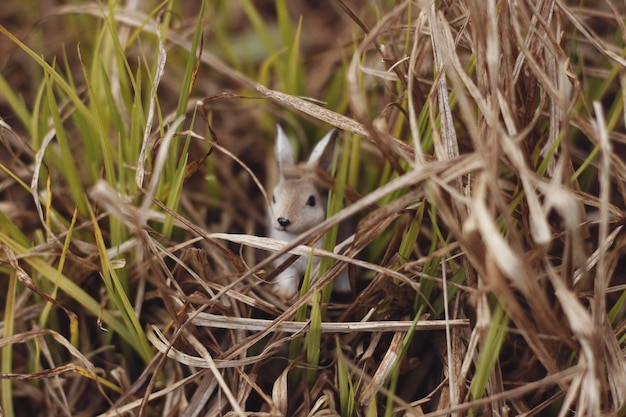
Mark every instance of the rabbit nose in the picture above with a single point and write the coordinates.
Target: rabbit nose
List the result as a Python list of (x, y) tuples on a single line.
[(284, 222)]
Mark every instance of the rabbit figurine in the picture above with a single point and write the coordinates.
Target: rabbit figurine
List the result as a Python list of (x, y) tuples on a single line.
[(297, 205)]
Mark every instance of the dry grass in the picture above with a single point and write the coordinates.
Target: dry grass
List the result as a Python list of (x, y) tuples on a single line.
[(482, 149)]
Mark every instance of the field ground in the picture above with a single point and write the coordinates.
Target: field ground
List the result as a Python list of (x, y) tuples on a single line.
[(480, 157)]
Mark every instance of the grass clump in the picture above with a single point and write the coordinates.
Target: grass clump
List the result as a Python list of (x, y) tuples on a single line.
[(480, 159)]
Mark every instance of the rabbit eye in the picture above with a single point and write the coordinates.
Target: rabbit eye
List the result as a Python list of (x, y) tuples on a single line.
[(311, 201), (274, 198)]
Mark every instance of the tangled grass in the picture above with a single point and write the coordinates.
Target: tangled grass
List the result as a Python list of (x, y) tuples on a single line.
[(481, 157)]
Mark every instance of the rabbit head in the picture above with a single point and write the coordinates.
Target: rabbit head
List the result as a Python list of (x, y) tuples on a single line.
[(297, 205)]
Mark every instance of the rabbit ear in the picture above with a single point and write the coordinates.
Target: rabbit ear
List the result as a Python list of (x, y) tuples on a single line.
[(322, 154), (284, 153)]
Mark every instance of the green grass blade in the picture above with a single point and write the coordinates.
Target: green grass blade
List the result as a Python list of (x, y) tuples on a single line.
[(68, 286), (395, 372), (86, 114), (6, 355), (119, 297), (259, 26), (335, 204), (67, 161), (489, 354), (43, 317), (15, 102), (189, 74), (345, 384), (294, 73), (313, 338)]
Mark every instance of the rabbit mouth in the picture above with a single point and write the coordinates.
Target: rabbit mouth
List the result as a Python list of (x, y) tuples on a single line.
[(281, 228), (289, 228)]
